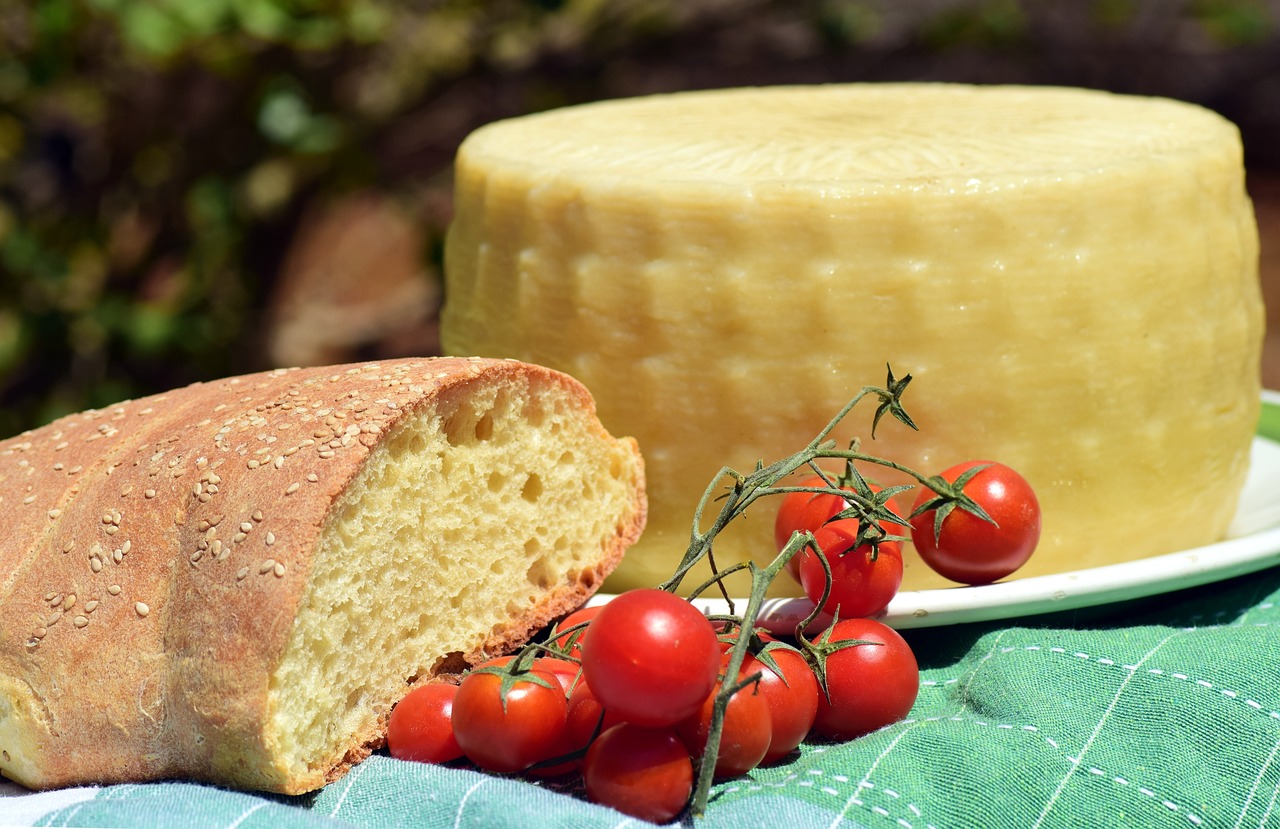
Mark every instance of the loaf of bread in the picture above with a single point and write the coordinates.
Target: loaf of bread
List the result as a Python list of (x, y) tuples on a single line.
[(236, 581), (1070, 276)]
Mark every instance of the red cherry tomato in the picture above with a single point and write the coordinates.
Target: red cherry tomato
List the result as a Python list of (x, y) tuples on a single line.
[(801, 511), (569, 675), (509, 737), (868, 686), (586, 721), (642, 772), (973, 551), (792, 696), (651, 658), (860, 584), (587, 717), (421, 725), (566, 673), (744, 737), (810, 511), (573, 641)]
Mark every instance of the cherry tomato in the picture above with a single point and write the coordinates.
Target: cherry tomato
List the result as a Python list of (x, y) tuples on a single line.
[(810, 511), (642, 772), (792, 696), (563, 747), (509, 737), (421, 725), (651, 658), (973, 551), (801, 511), (573, 641), (860, 584), (586, 720), (565, 672), (868, 686), (744, 737), (587, 717)]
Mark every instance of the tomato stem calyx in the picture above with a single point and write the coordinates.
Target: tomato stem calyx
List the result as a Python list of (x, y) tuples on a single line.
[(816, 652), (950, 495), (891, 401)]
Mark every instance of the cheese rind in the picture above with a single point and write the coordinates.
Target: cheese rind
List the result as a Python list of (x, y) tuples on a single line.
[(1070, 276)]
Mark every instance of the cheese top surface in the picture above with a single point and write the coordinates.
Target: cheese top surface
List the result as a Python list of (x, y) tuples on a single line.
[(1070, 276), (851, 138)]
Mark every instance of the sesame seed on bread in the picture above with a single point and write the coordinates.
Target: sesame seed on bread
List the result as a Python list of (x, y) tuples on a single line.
[(235, 582)]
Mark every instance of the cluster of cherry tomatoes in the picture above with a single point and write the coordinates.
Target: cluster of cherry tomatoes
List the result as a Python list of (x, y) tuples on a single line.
[(629, 703), (985, 530), (648, 700)]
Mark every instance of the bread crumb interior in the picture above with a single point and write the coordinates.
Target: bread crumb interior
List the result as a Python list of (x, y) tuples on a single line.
[(465, 516)]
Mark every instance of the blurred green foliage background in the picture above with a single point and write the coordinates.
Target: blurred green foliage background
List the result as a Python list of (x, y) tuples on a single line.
[(195, 188)]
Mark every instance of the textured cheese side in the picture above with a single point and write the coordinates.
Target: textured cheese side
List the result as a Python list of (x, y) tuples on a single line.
[(1071, 278)]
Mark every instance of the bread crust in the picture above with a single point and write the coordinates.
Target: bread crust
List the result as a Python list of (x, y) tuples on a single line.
[(157, 552)]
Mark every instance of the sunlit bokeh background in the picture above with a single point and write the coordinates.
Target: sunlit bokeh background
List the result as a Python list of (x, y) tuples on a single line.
[(196, 188)]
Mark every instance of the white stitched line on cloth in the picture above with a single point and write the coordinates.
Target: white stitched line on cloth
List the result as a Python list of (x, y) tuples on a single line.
[(1253, 791), (1226, 692), (1050, 741), (1191, 817), (865, 783), (255, 807), (964, 697), (1120, 781), (1238, 624), (958, 718), (457, 819), (826, 789), (855, 800), (1097, 729), (1271, 805), (349, 780), (933, 683)]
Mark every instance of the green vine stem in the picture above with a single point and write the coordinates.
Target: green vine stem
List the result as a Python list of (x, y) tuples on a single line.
[(744, 490), (760, 581)]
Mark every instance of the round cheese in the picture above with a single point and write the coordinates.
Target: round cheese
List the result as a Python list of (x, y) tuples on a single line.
[(1070, 277)]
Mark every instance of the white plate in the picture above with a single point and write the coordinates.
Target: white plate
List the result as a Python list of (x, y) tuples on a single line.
[(1252, 544)]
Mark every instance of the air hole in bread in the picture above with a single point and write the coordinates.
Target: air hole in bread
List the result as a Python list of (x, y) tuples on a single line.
[(539, 573), (484, 426), (532, 489)]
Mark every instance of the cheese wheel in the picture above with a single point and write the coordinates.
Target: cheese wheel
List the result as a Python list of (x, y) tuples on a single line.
[(1070, 277)]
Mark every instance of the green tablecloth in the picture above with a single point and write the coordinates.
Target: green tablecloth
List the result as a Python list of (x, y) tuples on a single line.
[(1163, 712)]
